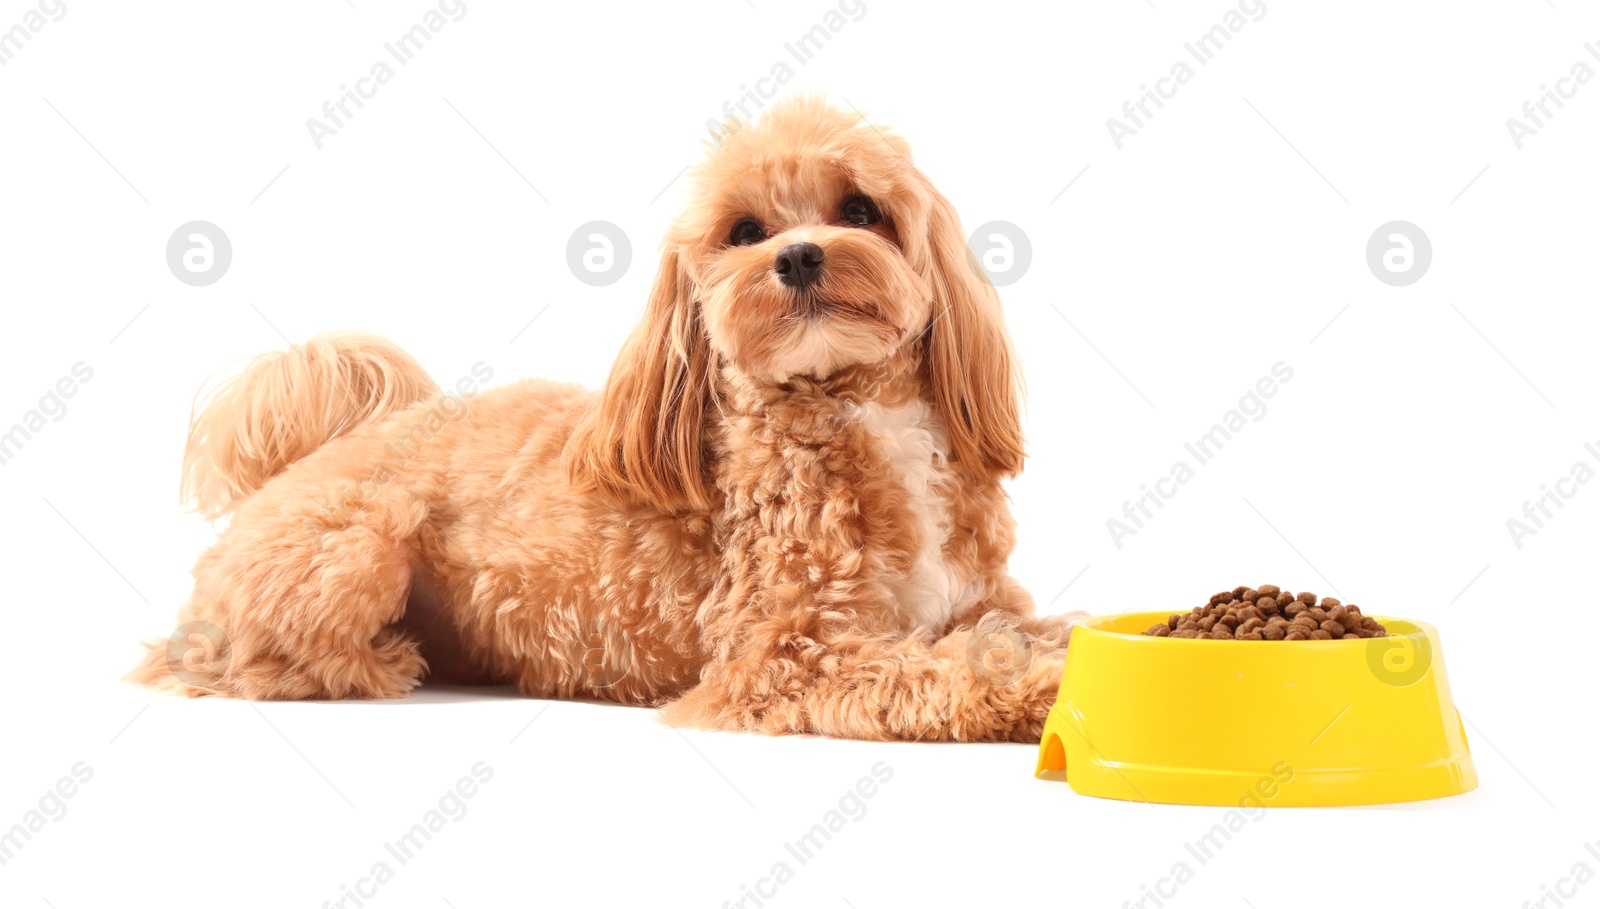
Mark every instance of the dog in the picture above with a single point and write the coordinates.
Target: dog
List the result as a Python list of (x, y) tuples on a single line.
[(782, 513)]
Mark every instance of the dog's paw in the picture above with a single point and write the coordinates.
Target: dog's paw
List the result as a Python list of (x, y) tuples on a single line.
[(1037, 694)]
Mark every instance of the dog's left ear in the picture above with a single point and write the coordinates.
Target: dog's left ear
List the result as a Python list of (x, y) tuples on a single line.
[(641, 440), (976, 382)]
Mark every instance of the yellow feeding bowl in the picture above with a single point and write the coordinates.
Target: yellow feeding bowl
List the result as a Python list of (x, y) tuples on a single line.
[(1195, 721)]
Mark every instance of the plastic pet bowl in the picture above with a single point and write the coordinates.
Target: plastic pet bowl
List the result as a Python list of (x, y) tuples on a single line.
[(1245, 723)]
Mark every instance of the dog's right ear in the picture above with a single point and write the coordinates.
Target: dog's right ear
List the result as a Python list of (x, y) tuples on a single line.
[(642, 439)]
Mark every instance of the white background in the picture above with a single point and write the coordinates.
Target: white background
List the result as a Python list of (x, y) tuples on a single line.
[(1226, 235)]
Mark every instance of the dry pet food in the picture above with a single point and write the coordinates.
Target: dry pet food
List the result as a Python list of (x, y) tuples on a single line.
[(1266, 613)]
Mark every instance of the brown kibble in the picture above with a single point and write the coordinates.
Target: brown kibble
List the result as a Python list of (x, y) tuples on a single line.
[(1269, 613)]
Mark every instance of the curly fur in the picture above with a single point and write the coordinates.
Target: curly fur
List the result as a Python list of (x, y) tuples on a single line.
[(782, 513)]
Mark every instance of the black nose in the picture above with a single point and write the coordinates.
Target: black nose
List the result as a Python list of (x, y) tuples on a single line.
[(799, 264)]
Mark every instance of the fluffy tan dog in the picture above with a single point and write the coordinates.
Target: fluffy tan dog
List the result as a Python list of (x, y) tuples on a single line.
[(783, 513)]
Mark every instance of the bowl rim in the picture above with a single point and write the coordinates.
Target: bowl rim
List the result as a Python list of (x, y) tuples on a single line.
[(1096, 625)]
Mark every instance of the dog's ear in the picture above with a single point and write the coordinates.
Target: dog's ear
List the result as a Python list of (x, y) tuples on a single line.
[(974, 373), (642, 440)]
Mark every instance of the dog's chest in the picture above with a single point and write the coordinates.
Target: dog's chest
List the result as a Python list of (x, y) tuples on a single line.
[(913, 440)]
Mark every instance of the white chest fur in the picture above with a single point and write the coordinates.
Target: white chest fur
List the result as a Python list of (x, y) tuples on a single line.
[(913, 439)]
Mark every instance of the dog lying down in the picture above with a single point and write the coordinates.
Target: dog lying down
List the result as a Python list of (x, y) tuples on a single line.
[(781, 514)]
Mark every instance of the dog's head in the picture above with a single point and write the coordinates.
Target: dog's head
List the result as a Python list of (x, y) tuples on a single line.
[(811, 244)]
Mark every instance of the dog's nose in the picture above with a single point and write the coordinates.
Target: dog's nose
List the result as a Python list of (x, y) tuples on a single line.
[(798, 264)]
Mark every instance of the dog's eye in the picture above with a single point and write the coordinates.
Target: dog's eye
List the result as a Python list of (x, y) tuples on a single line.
[(746, 232), (859, 210)]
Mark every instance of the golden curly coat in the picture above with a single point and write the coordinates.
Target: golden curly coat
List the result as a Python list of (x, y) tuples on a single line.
[(783, 512)]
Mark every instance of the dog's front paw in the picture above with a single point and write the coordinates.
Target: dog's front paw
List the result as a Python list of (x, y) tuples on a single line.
[(1016, 672), (1036, 694)]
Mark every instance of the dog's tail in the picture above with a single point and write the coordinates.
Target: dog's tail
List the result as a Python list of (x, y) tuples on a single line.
[(284, 406)]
